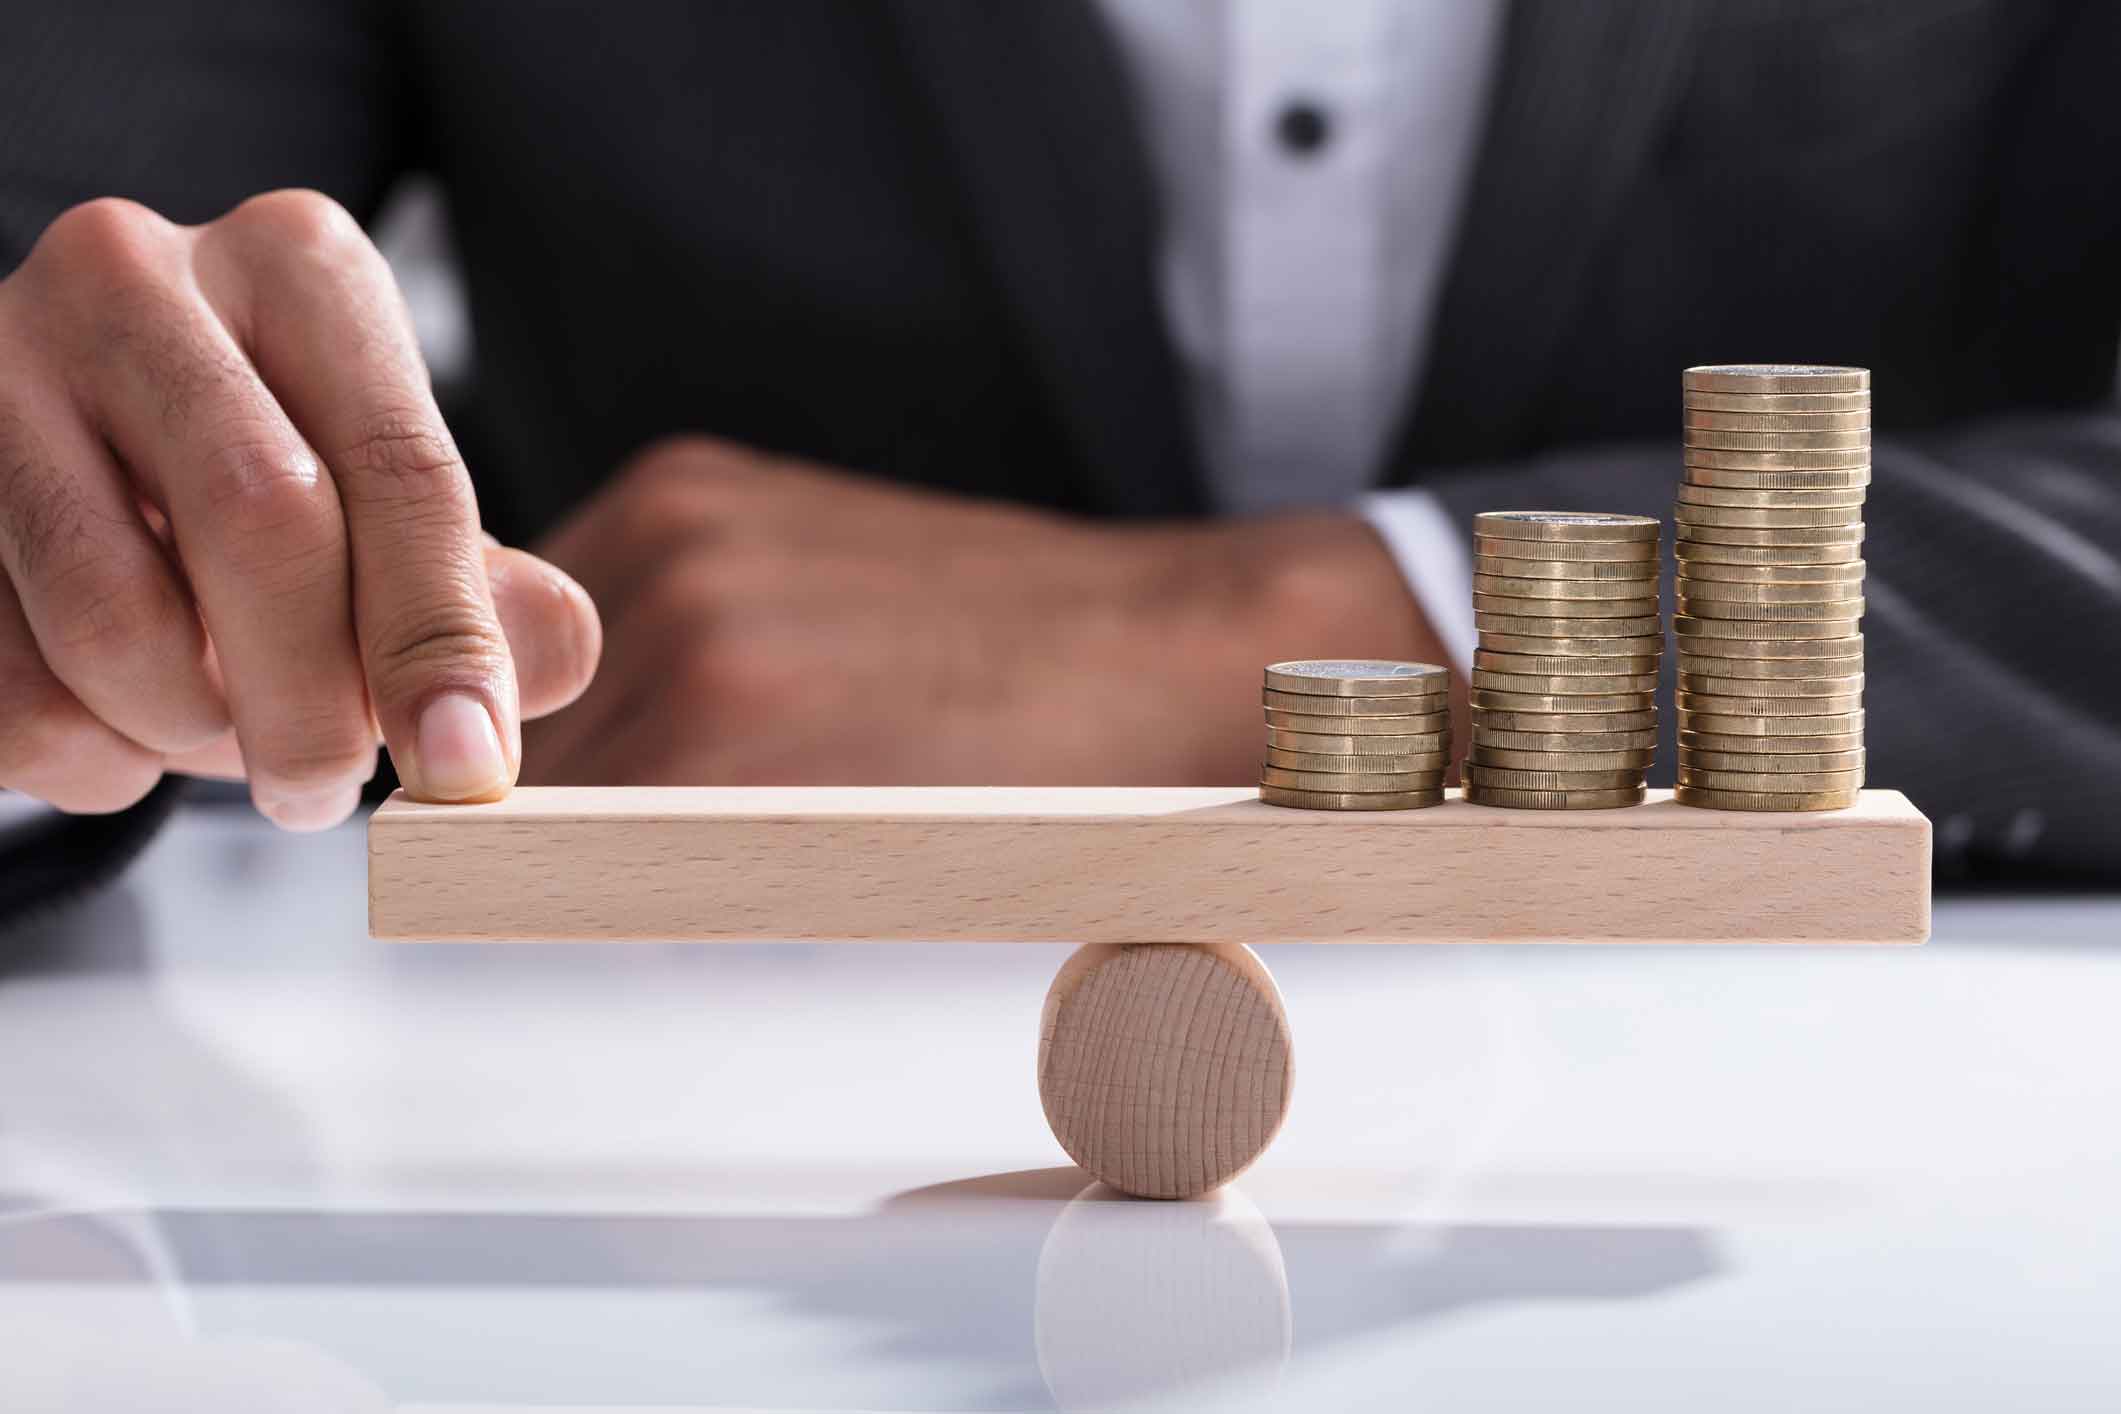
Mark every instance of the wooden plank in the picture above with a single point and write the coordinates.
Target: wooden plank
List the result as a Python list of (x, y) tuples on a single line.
[(1126, 865)]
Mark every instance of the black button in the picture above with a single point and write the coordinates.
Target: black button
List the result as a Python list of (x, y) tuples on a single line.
[(1303, 128)]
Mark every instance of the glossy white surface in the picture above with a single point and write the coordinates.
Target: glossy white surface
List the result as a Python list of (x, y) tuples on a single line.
[(250, 1160)]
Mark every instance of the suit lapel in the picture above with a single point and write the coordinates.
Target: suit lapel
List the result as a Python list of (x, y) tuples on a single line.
[(1581, 97), (1030, 104)]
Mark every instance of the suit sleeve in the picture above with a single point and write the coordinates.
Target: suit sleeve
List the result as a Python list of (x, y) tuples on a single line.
[(1992, 631), (189, 106)]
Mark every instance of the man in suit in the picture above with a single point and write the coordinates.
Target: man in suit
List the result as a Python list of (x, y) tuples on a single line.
[(933, 392)]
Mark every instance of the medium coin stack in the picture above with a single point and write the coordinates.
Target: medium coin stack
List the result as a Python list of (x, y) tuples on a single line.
[(1771, 587), (1356, 735), (1564, 716)]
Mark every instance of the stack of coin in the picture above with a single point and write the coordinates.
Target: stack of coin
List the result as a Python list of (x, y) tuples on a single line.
[(1771, 587), (1564, 716), (1356, 735)]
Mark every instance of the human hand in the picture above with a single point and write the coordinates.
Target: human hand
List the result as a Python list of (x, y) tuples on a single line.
[(236, 535), (775, 622)]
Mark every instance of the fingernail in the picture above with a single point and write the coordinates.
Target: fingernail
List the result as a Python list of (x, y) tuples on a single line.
[(459, 752), (319, 810)]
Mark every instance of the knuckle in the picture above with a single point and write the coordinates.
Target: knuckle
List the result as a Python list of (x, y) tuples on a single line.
[(300, 222), (109, 235), (264, 491), (452, 639), (403, 455)]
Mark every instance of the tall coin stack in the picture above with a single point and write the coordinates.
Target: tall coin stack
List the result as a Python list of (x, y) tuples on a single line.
[(1356, 735), (1771, 587), (1564, 716)]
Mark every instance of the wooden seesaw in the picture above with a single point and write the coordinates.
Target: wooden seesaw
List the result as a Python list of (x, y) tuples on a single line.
[(1164, 1058)]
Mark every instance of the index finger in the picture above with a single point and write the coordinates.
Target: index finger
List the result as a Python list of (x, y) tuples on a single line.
[(317, 309)]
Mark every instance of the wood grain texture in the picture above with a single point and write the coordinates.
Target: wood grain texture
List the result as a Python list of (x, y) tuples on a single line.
[(1164, 1068), (1124, 865)]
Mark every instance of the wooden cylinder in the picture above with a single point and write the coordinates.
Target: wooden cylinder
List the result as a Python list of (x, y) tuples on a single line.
[(1164, 1068)]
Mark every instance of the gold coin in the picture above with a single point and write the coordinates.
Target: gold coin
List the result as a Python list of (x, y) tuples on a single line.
[(1358, 677), (1504, 720), (1718, 440), (1765, 745), (1766, 518), (1698, 683), (1858, 421), (1623, 552), (1738, 479), (1848, 723), (1772, 781), (1701, 552), (1777, 402), (1341, 744), (1351, 800), (1817, 591), (1833, 668), (1603, 609), (1564, 704), (1698, 572), (1365, 765), (1692, 495), (1533, 626), (1791, 762), (1775, 535), (1522, 588), (1625, 571), (1831, 459), (1511, 779), (1754, 800), (1734, 706), (1321, 706), (1723, 610), (1756, 630), (1565, 666), (1502, 758), (1554, 799), (1774, 378), (1564, 525), (1760, 651), (1568, 742), (1351, 780), (1524, 645), (1565, 682), (1420, 723)]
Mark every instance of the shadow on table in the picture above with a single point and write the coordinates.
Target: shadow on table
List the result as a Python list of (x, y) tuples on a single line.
[(1036, 1288)]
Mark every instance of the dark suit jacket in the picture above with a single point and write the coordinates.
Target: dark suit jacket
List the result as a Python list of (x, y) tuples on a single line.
[(915, 237)]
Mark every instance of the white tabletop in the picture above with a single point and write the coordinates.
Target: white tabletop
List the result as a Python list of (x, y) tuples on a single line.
[(251, 1160)]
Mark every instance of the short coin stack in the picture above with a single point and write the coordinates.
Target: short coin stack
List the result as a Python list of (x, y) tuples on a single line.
[(1564, 716), (1356, 735), (1771, 587)]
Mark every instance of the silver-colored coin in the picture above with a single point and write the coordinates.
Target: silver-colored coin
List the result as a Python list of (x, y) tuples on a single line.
[(1320, 705), (1357, 677), (1622, 571), (1351, 780), (1776, 378), (1626, 552), (1359, 726), (1348, 744), (1564, 525), (1351, 800), (1358, 765)]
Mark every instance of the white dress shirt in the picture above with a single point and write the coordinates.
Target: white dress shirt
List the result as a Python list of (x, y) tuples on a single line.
[(1313, 156)]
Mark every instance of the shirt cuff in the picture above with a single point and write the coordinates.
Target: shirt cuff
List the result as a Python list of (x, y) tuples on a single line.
[(1431, 554)]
